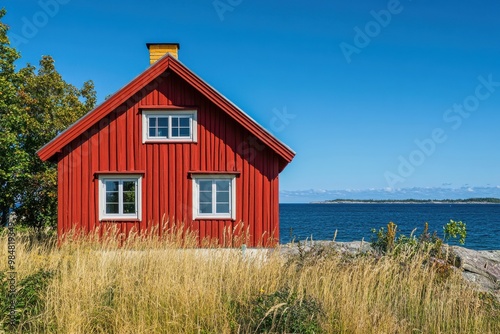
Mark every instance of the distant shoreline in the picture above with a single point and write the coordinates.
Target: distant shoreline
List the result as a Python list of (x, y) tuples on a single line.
[(413, 201)]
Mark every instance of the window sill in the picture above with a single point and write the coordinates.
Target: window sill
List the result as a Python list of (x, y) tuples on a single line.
[(119, 220), (163, 141), (214, 218)]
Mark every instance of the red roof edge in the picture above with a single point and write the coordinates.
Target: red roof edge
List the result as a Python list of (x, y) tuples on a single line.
[(56, 145)]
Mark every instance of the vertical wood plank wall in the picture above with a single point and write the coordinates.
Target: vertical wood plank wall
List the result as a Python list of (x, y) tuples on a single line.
[(115, 145)]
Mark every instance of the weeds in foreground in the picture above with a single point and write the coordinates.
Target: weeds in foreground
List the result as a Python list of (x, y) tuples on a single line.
[(147, 285), (394, 242), (281, 311)]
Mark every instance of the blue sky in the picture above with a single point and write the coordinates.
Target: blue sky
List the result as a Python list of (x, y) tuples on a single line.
[(380, 99)]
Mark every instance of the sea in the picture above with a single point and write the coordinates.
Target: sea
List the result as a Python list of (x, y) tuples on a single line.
[(355, 221)]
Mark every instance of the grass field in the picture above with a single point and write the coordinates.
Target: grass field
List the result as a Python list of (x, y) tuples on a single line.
[(165, 286)]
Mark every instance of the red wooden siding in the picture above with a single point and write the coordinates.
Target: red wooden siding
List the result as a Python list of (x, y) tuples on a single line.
[(115, 145)]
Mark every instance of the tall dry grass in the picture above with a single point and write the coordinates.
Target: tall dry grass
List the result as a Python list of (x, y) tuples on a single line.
[(150, 285)]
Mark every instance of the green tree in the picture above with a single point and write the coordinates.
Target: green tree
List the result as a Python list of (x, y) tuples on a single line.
[(10, 154), (38, 106)]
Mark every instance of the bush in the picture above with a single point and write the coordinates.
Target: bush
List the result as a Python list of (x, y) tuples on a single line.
[(281, 312), (454, 229), (390, 242), (29, 298)]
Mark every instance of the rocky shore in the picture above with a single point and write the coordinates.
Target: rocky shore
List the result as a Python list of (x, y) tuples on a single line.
[(480, 268)]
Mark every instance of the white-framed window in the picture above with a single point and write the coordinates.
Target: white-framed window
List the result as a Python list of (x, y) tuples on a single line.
[(169, 126), (120, 197), (214, 196)]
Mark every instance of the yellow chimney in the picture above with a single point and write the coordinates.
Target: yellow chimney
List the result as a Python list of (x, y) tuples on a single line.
[(158, 50)]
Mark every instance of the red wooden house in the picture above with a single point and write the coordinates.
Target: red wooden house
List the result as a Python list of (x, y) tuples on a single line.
[(168, 148)]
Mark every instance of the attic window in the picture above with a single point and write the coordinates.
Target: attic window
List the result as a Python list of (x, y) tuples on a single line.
[(169, 126)]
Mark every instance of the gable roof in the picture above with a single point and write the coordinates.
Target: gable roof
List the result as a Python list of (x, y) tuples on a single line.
[(167, 62)]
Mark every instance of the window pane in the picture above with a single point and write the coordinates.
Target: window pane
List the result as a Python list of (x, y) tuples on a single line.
[(205, 208), (162, 132), (158, 127), (112, 197), (128, 185), (163, 121), (206, 196), (222, 185), (205, 185), (223, 208), (181, 126), (223, 197), (129, 208), (111, 185), (129, 196), (152, 126), (112, 208)]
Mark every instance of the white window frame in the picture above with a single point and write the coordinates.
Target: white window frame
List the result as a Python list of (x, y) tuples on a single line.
[(102, 197), (196, 198), (193, 123)]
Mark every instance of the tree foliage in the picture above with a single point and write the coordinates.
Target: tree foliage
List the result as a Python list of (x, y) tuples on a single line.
[(35, 106)]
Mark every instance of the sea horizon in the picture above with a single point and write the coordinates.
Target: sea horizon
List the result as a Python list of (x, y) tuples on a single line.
[(355, 221)]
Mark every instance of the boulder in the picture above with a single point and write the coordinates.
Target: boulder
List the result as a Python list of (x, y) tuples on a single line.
[(481, 268), (351, 248)]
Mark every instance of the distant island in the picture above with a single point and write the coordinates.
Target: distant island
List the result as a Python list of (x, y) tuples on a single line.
[(486, 200)]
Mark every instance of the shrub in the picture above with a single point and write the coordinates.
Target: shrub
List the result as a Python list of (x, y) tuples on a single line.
[(384, 240), (29, 297), (390, 242), (454, 229), (281, 312)]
